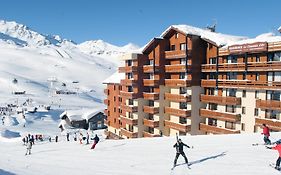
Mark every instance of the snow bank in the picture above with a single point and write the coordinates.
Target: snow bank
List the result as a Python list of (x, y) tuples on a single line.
[(115, 78), (5, 133)]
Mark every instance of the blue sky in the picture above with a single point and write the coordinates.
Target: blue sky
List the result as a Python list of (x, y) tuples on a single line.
[(137, 21)]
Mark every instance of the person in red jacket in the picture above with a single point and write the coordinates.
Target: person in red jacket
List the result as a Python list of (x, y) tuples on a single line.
[(266, 134), (278, 148)]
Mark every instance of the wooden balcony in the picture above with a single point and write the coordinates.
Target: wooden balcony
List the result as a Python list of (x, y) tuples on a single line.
[(177, 82), (216, 130), (208, 83), (106, 91), (175, 54), (151, 109), (127, 69), (220, 100), (130, 95), (264, 66), (208, 67), (128, 121), (177, 97), (177, 126), (271, 123), (269, 104), (150, 82), (176, 68), (129, 134), (128, 82), (150, 123), (129, 108), (106, 102), (220, 115), (147, 134), (151, 96), (150, 68), (178, 112)]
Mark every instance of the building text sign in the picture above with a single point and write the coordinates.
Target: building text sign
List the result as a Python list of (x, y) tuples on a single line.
[(243, 48)]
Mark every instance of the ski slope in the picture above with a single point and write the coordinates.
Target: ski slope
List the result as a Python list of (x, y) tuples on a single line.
[(212, 155)]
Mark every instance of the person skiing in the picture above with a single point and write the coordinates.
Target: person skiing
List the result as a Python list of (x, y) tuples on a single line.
[(23, 140), (57, 138), (266, 134), (28, 147), (96, 140), (67, 136), (278, 148), (179, 148), (87, 138)]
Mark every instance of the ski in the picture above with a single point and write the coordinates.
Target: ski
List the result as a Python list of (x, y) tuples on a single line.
[(180, 165), (273, 166)]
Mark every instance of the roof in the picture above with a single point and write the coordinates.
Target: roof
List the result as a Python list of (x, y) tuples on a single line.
[(83, 114), (153, 41), (114, 78), (279, 29), (218, 39)]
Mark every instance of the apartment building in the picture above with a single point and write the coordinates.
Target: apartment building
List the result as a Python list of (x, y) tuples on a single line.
[(191, 81)]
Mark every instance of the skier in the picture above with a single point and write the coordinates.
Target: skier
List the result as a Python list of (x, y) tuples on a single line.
[(278, 148), (179, 147), (23, 140), (87, 138), (28, 147), (57, 138), (67, 136), (96, 140), (80, 138), (266, 134)]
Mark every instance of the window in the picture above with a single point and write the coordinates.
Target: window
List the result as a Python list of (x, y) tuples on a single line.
[(244, 93), (182, 75), (150, 103), (150, 89), (130, 75), (150, 117), (151, 62), (183, 120), (183, 90), (131, 102), (213, 106), (243, 126), (256, 94), (231, 59), (114, 98), (114, 87), (183, 61), (273, 95), (243, 110), (114, 109), (212, 122), (183, 105), (177, 35), (213, 60), (173, 47), (258, 58), (230, 108), (151, 75), (231, 92), (244, 75), (231, 75), (130, 89), (212, 76), (129, 62), (229, 125), (256, 112), (257, 76), (182, 46)]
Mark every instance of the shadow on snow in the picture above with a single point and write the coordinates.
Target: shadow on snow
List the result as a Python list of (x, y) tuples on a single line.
[(3, 172), (208, 158)]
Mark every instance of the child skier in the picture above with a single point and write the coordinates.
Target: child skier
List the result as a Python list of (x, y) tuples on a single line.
[(266, 134), (278, 148), (179, 148)]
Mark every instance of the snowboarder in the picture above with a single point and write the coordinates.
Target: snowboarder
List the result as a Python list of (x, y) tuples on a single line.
[(67, 136), (278, 148), (28, 147), (96, 140), (266, 134), (179, 147)]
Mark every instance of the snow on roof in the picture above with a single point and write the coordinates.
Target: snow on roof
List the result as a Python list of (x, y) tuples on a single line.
[(265, 37), (114, 78), (81, 114), (279, 29), (89, 114), (218, 39)]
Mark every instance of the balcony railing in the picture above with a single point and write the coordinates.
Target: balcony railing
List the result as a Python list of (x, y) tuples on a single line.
[(129, 134), (129, 121), (176, 68), (151, 96), (177, 82), (178, 126), (147, 134), (220, 100), (216, 130), (150, 123), (220, 115), (128, 69), (269, 104), (175, 54), (178, 97), (178, 112), (128, 82), (271, 123), (150, 109), (130, 95), (150, 82), (150, 68), (129, 108)]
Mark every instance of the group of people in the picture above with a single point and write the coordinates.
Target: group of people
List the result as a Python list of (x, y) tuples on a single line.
[(266, 132)]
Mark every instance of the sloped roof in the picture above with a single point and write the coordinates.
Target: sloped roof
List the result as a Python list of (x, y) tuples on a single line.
[(279, 29), (114, 78)]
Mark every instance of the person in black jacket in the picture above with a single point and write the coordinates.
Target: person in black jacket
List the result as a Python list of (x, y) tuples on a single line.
[(179, 147), (96, 140)]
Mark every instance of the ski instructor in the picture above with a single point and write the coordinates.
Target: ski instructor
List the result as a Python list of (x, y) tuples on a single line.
[(179, 147)]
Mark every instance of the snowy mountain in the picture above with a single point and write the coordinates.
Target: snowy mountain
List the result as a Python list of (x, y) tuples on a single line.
[(33, 59)]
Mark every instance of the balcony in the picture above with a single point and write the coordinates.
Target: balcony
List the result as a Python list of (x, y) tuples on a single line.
[(220, 115), (129, 121), (130, 95), (106, 91), (264, 66), (147, 134), (177, 82), (216, 130), (220, 100), (129, 108), (176, 68), (127, 69), (178, 112), (271, 123), (106, 102), (208, 83), (209, 68), (175, 54), (269, 104), (150, 68), (150, 82), (128, 82), (177, 97), (150, 109), (177, 126), (151, 96), (150, 123), (129, 134)]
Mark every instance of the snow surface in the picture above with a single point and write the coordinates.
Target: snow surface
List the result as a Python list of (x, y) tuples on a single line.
[(114, 78)]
